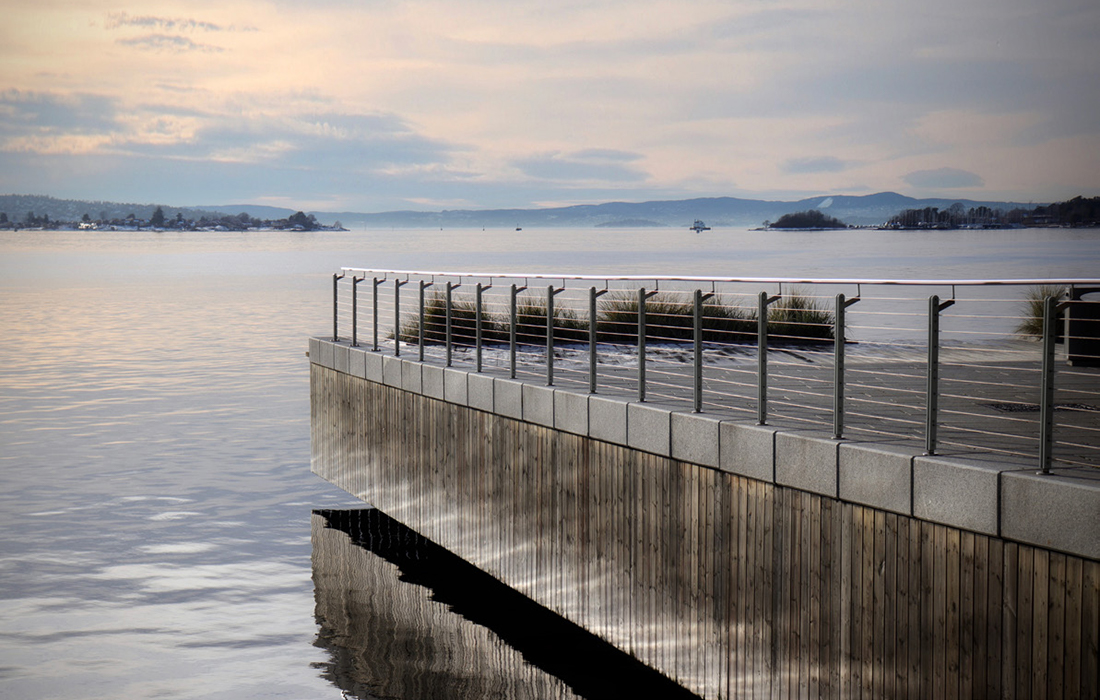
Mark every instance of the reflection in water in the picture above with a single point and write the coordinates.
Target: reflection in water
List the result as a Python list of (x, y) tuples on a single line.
[(405, 618)]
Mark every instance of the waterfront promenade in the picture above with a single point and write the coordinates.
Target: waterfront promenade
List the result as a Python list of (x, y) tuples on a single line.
[(744, 557)]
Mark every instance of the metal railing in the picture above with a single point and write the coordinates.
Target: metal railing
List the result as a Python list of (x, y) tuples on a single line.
[(956, 364)]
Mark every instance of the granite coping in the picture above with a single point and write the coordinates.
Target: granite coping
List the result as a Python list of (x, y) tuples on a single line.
[(984, 493)]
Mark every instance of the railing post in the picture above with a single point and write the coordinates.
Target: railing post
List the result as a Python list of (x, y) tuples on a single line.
[(397, 284), (375, 314), (512, 334), (420, 325), (932, 405), (698, 335), (477, 327), (355, 310), (762, 359), (839, 338), (641, 344), (592, 328), (763, 301), (1046, 396), (550, 335), (447, 316), (335, 307)]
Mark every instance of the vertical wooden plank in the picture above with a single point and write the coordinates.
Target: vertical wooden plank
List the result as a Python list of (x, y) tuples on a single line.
[(1010, 619), (827, 599), (981, 615), (1074, 620), (1056, 640), (796, 606), (839, 578), (847, 539), (995, 618), (723, 564), (708, 646), (750, 621), (966, 615), (1090, 630), (856, 606), (1040, 633), (806, 619), (890, 670), (647, 611), (915, 612), (738, 566), (879, 605), (901, 629), (771, 612), (928, 609), (757, 566), (869, 618), (1024, 621), (777, 572), (814, 582)]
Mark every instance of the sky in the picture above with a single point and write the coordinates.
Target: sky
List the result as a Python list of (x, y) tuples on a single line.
[(381, 105)]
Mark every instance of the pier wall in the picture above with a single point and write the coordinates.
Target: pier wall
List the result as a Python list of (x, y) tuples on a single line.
[(739, 560)]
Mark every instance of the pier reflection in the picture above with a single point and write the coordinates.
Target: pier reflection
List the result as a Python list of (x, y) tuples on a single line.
[(403, 618)]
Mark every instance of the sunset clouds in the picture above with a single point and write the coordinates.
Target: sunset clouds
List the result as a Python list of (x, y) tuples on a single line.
[(389, 105)]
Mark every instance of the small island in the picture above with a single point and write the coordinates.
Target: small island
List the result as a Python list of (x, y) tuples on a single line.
[(631, 223), (812, 219)]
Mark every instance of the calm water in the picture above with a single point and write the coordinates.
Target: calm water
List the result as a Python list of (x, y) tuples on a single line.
[(156, 500)]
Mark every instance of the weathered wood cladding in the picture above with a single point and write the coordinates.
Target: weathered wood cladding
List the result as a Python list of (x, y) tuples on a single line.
[(733, 587)]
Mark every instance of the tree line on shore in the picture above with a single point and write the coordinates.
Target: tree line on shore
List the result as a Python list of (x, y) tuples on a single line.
[(1079, 211), (298, 221)]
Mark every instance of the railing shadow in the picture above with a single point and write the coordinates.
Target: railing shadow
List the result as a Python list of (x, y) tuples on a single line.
[(403, 617)]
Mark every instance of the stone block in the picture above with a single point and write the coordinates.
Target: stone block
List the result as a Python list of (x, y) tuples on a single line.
[(357, 363), (508, 397), (340, 358), (747, 450), (325, 354), (607, 418), (479, 391), (806, 461), (373, 364), (432, 381), (695, 438), (411, 377), (1060, 510), (957, 491), (538, 404), (877, 475), (454, 386), (313, 351), (571, 411), (649, 428), (391, 371)]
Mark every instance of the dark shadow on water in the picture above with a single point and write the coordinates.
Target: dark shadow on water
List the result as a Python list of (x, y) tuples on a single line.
[(404, 618)]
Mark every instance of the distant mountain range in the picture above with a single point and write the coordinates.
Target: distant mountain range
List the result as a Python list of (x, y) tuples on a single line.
[(715, 211)]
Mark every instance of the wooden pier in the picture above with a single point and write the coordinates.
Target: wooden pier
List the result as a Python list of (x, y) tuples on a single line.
[(733, 586)]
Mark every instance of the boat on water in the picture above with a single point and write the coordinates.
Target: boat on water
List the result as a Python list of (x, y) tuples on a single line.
[(699, 226)]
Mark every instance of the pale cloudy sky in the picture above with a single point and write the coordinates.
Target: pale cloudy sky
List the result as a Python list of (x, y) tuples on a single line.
[(374, 105)]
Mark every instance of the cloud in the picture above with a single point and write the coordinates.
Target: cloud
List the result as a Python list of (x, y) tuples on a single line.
[(820, 164), (26, 112), (116, 20), (167, 42), (582, 166), (943, 178)]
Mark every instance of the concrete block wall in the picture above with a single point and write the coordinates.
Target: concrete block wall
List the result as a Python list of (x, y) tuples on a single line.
[(988, 494)]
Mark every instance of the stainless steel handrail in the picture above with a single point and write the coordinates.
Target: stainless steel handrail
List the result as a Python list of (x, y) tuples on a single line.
[(1037, 281), (908, 389)]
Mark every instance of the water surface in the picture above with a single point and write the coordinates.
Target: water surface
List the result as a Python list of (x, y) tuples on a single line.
[(155, 494)]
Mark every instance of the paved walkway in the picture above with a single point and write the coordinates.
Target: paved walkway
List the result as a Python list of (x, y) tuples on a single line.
[(989, 397)]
